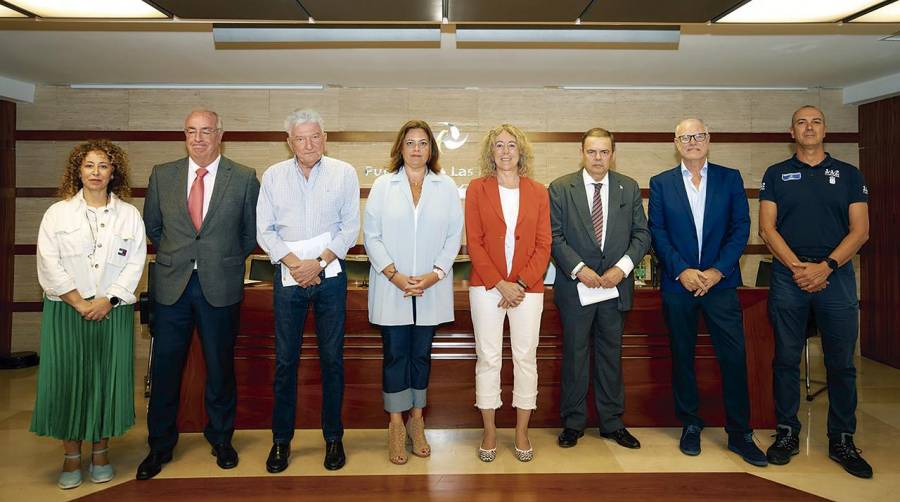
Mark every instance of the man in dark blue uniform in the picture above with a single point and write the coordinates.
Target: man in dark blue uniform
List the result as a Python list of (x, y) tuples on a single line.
[(813, 216)]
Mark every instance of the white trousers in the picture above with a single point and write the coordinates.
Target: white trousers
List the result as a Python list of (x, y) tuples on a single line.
[(524, 329)]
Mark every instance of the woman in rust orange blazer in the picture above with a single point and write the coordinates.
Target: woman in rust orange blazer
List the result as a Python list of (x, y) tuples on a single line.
[(508, 238)]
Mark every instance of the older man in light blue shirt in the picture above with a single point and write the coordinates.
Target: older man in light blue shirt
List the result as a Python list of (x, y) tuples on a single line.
[(308, 199)]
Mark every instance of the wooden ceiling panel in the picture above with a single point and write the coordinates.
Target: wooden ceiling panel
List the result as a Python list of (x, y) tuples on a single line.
[(416, 11), (275, 10), (515, 11), (656, 11)]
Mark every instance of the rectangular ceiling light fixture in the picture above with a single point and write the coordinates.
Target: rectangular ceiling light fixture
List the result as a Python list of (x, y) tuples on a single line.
[(268, 36), (888, 13), (308, 87), (90, 9), (7, 12), (569, 37), (795, 11)]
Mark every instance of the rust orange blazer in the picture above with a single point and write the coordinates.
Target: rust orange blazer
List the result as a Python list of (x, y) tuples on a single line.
[(486, 234)]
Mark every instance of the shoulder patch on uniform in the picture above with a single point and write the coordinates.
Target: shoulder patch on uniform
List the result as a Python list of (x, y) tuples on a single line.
[(790, 176)]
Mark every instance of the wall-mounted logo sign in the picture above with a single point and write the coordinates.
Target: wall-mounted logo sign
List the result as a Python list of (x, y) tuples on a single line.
[(451, 138)]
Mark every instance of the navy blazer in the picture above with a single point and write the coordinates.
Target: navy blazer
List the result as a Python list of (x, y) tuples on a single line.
[(726, 226)]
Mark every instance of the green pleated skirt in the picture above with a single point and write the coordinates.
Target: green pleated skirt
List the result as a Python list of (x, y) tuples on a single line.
[(85, 388)]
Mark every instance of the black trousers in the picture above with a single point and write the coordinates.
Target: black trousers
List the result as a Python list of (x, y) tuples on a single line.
[(600, 325), (836, 311), (173, 328), (722, 312)]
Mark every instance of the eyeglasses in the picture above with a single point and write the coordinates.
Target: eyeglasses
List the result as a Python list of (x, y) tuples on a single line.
[(411, 144), (511, 146), (315, 139), (700, 137), (205, 132)]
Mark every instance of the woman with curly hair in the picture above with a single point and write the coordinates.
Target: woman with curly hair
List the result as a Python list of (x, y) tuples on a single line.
[(508, 237), (90, 255)]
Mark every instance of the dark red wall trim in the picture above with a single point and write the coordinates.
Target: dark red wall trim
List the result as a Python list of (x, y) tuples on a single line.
[(388, 137)]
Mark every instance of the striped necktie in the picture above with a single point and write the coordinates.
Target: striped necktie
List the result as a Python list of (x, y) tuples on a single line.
[(597, 214)]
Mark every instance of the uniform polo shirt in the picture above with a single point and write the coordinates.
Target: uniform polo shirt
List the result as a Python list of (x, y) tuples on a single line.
[(813, 202)]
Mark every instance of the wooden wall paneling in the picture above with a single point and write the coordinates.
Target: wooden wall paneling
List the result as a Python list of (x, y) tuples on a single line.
[(879, 125), (8, 219), (646, 367)]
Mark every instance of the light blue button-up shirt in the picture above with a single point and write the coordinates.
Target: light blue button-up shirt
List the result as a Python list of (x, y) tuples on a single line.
[(414, 244), (293, 208), (697, 199)]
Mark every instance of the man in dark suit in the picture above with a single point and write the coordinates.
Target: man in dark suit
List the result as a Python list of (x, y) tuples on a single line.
[(700, 221), (599, 234), (200, 214)]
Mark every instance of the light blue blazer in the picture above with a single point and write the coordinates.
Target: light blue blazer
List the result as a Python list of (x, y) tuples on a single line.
[(392, 235)]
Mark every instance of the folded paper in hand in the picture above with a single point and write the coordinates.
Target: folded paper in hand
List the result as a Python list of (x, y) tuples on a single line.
[(589, 296), (309, 249)]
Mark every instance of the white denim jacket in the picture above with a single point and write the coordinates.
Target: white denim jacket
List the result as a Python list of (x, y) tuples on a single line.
[(107, 261)]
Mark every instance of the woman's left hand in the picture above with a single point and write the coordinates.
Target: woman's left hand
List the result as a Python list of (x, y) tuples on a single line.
[(423, 282), (98, 310)]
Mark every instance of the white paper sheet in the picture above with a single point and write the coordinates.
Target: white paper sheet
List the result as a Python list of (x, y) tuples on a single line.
[(309, 250), (588, 296)]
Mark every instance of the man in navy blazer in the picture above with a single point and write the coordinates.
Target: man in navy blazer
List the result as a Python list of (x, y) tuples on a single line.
[(699, 224)]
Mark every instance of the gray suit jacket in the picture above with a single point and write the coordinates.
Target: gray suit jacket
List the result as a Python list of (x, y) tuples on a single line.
[(573, 233), (226, 237)]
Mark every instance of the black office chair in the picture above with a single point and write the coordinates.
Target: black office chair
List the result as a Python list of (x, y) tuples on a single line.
[(763, 274), (145, 306)]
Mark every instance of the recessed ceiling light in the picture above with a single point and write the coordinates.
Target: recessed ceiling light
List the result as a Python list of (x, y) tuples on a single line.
[(890, 13), (796, 11), (228, 36), (7, 12), (500, 36), (106, 9)]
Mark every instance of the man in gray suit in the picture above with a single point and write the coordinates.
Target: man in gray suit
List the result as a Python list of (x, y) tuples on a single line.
[(200, 214), (599, 233)]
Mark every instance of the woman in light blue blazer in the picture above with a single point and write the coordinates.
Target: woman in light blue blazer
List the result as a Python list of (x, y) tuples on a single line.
[(413, 226)]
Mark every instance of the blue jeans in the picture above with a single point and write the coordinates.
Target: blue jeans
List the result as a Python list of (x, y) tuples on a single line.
[(406, 366), (328, 301), (724, 319), (173, 327), (836, 312)]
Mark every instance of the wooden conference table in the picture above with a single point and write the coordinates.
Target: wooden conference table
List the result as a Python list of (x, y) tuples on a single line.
[(451, 394)]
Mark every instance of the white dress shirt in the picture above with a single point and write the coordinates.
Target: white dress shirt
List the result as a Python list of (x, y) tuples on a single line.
[(624, 263), (100, 252), (697, 200), (509, 202)]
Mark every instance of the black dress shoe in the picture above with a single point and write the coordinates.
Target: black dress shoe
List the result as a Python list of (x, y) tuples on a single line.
[(623, 437), (151, 465), (334, 455), (278, 457), (568, 438), (226, 456)]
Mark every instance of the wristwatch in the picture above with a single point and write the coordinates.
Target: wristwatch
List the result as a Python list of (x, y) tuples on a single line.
[(832, 263), (114, 300), (322, 263)]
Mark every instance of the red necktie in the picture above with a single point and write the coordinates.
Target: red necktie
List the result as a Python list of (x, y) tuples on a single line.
[(195, 199), (597, 214)]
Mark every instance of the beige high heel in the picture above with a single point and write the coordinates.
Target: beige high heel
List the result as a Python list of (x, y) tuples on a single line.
[(415, 427), (397, 444)]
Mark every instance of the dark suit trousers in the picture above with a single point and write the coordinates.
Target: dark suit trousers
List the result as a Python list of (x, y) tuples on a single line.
[(173, 327), (600, 324), (722, 313)]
